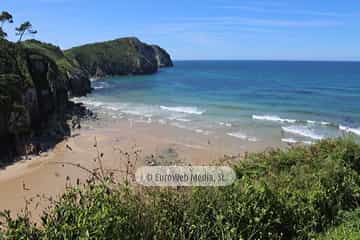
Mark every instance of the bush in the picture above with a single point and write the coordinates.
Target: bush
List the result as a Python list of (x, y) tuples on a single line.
[(349, 228), (297, 193)]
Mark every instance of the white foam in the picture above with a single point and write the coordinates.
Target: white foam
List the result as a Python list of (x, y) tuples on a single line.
[(112, 108), (238, 135), (311, 122), (350, 130), (189, 110), (183, 119), (318, 122), (273, 118), (242, 136), (132, 112), (289, 140), (303, 131), (225, 124), (101, 85), (92, 103), (293, 141)]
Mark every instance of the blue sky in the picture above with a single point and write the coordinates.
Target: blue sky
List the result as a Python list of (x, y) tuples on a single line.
[(198, 29)]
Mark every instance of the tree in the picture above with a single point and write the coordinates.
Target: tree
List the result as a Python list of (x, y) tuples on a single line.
[(2, 34), (5, 17), (26, 27)]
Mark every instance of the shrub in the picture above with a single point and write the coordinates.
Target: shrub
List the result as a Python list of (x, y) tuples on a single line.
[(297, 193)]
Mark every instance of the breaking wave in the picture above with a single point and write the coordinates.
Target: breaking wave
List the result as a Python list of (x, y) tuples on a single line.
[(303, 131), (273, 118), (350, 130), (181, 109)]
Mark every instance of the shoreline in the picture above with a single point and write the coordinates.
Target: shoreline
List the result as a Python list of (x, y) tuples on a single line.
[(47, 175)]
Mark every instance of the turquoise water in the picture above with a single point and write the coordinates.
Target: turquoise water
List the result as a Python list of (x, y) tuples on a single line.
[(249, 100)]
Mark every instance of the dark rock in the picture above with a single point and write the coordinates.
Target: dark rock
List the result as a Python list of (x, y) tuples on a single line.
[(162, 57), (33, 95)]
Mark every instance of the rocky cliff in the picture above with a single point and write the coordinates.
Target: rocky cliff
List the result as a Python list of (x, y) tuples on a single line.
[(162, 57), (33, 94), (37, 79), (119, 57)]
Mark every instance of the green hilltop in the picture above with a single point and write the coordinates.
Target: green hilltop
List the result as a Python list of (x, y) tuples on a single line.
[(119, 57)]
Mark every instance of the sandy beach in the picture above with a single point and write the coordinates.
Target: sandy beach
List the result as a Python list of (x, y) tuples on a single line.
[(47, 175)]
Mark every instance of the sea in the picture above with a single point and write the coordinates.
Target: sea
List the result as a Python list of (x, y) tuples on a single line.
[(254, 101)]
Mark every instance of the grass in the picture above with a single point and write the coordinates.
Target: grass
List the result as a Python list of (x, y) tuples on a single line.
[(305, 192)]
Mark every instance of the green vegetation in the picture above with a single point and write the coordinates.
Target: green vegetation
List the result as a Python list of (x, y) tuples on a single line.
[(5, 17), (118, 57), (15, 77), (304, 192), (54, 53), (349, 227), (2, 34), (25, 27), (107, 58)]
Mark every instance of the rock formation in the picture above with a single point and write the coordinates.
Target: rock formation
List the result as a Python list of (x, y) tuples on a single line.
[(37, 79), (119, 57)]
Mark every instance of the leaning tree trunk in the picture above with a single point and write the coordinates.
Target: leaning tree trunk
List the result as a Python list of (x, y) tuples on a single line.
[(21, 35)]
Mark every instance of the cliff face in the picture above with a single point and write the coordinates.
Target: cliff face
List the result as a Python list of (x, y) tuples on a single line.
[(35, 81), (75, 77), (162, 57), (119, 57)]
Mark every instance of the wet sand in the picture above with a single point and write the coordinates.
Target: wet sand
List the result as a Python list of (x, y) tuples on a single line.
[(48, 175)]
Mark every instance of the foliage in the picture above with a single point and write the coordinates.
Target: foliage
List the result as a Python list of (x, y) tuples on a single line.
[(5, 17), (25, 27), (349, 228), (2, 33), (297, 193), (54, 53), (116, 57)]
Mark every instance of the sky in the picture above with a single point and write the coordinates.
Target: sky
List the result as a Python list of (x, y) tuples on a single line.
[(199, 29)]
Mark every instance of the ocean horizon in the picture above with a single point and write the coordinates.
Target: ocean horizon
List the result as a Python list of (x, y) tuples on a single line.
[(252, 100)]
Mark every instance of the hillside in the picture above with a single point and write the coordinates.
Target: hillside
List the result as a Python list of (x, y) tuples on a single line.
[(119, 57)]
